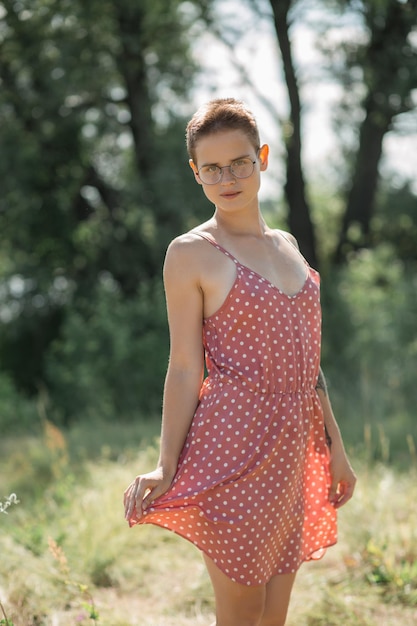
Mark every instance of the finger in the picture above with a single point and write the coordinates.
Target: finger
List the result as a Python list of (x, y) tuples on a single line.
[(132, 494), (152, 495), (135, 498), (139, 497), (341, 501), (129, 507), (128, 492), (333, 493), (343, 495)]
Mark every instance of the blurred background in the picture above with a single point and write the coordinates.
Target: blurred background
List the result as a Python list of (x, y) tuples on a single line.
[(94, 183), (94, 99)]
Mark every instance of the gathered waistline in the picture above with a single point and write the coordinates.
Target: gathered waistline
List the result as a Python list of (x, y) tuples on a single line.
[(223, 381)]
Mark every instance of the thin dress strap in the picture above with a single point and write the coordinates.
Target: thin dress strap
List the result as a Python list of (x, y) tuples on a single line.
[(214, 243)]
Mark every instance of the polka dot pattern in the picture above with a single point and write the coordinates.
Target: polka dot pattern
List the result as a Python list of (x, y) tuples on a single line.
[(251, 488)]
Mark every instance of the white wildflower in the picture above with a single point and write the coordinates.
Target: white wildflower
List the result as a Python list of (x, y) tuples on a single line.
[(12, 499)]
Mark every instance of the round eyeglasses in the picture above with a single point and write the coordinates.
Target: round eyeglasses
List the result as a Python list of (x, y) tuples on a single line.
[(212, 174)]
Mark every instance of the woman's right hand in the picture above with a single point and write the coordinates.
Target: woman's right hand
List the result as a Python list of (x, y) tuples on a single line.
[(143, 490)]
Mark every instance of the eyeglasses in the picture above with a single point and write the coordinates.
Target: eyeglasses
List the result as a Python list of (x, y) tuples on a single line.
[(212, 174)]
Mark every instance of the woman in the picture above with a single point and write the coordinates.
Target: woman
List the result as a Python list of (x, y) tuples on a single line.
[(246, 471)]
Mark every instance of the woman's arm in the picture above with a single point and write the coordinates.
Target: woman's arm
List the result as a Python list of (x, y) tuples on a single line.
[(343, 476), (184, 375)]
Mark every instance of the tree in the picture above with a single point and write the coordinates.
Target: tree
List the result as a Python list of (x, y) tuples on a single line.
[(228, 32), (90, 102), (387, 63), (376, 65), (381, 64), (295, 190)]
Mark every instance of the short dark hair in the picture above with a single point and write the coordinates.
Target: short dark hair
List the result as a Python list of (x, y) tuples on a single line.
[(218, 115)]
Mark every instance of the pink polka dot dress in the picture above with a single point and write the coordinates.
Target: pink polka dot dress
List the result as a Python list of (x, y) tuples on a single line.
[(251, 488)]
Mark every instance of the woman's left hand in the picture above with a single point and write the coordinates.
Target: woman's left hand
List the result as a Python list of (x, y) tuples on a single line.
[(343, 478)]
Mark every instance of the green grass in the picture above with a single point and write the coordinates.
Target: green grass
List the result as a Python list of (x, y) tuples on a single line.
[(68, 557)]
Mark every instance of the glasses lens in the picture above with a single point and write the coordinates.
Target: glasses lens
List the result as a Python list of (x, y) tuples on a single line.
[(210, 174), (242, 168)]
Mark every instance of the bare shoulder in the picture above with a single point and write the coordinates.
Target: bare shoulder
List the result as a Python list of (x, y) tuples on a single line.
[(184, 256), (183, 244), (289, 237)]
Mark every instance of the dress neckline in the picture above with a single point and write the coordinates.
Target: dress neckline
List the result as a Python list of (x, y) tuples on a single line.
[(211, 240)]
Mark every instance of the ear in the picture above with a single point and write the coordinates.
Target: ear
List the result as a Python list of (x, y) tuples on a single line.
[(195, 170), (263, 156)]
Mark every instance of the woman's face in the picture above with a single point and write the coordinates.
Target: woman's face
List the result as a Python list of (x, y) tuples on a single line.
[(222, 149)]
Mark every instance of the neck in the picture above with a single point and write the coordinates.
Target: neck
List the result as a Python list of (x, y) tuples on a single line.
[(250, 224)]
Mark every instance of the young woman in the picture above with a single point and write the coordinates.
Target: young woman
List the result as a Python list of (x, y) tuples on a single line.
[(252, 466)]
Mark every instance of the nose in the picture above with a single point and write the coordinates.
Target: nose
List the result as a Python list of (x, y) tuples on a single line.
[(226, 175)]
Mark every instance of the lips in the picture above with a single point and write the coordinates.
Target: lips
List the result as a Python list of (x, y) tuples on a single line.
[(230, 194)]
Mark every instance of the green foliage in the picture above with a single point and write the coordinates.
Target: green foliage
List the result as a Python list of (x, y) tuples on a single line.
[(370, 350), (89, 107), (374, 60), (111, 358), (95, 183), (17, 413), (396, 221), (5, 621), (395, 574)]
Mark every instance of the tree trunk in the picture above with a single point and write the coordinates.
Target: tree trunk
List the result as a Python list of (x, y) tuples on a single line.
[(390, 70), (356, 225), (131, 64), (295, 190)]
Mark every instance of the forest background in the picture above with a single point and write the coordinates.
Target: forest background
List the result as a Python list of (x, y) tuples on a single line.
[(94, 98)]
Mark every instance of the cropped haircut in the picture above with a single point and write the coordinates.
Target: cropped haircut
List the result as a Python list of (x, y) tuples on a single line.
[(222, 114)]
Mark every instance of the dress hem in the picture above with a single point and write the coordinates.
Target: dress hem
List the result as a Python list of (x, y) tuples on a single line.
[(308, 558)]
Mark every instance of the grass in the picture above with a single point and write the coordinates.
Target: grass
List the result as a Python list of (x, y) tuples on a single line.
[(68, 557)]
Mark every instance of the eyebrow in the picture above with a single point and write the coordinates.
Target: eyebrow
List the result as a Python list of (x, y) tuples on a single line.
[(243, 156)]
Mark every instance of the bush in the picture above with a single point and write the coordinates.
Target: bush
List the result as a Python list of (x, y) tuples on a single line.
[(111, 357), (370, 349), (16, 411)]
